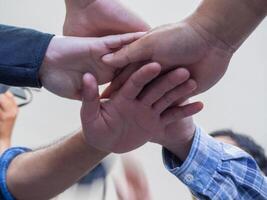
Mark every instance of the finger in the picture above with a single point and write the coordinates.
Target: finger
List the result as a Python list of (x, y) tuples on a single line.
[(118, 41), (119, 81), (158, 88), (4, 102), (139, 79), (135, 52), (178, 113), (90, 98), (174, 95), (11, 98)]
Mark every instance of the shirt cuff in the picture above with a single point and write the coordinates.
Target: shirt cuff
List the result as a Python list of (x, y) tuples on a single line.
[(5, 161), (198, 169), (21, 55)]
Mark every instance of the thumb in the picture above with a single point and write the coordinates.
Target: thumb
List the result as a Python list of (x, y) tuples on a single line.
[(135, 52), (90, 99)]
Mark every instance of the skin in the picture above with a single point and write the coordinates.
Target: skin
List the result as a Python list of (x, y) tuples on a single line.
[(60, 165), (178, 136), (203, 42), (134, 114), (8, 114), (94, 18), (67, 59)]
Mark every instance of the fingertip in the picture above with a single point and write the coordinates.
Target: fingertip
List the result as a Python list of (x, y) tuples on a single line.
[(88, 79), (9, 94), (154, 67), (200, 105), (196, 107), (107, 59), (183, 72), (192, 84)]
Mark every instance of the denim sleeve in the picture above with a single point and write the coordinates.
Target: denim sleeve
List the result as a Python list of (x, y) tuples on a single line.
[(214, 170), (5, 161), (21, 55)]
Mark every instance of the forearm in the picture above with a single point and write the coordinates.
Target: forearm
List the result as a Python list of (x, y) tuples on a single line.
[(215, 170), (47, 172), (229, 22), (4, 145)]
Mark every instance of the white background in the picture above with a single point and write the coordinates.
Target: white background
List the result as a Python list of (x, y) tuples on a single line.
[(239, 101)]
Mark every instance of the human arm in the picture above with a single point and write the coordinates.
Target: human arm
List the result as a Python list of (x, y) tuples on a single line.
[(8, 114), (94, 18), (44, 173), (119, 120), (141, 108), (203, 42), (31, 58), (210, 169)]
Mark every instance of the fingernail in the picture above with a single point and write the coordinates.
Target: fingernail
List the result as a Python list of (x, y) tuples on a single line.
[(107, 58)]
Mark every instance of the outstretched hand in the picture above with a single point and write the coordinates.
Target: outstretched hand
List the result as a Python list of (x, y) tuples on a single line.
[(68, 58), (182, 44), (140, 109)]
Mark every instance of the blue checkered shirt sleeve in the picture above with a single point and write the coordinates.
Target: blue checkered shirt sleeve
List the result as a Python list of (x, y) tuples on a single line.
[(214, 170)]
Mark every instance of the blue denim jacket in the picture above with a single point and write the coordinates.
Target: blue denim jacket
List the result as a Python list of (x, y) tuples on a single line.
[(21, 55)]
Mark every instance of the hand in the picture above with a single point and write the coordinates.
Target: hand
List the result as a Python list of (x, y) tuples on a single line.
[(68, 58), (94, 18), (181, 44), (178, 136), (8, 114), (136, 112)]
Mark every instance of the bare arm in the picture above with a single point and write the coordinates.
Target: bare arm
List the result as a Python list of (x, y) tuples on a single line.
[(8, 114), (44, 173), (231, 22), (203, 43)]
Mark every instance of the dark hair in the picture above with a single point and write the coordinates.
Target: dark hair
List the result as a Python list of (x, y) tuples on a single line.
[(247, 144)]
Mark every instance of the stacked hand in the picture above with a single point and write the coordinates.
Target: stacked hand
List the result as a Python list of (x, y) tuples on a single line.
[(8, 114), (94, 18), (139, 111), (68, 58), (182, 44), (116, 122)]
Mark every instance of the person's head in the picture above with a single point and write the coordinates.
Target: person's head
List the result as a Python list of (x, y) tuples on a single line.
[(244, 142)]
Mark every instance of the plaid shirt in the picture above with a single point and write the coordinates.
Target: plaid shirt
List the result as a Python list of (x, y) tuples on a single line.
[(214, 170)]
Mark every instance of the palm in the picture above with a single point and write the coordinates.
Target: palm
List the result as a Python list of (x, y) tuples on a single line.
[(137, 111), (100, 18), (125, 122)]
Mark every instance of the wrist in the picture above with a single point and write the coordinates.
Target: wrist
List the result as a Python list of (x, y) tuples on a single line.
[(227, 24), (91, 150), (77, 4), (182, 146), (5, 143)]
